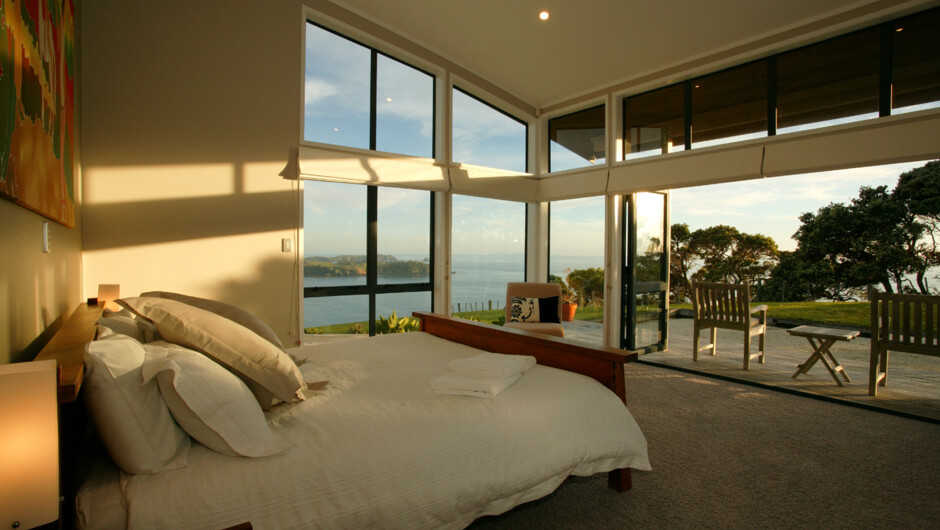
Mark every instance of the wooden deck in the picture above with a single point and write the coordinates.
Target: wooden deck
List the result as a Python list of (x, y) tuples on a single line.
[(913, 385)]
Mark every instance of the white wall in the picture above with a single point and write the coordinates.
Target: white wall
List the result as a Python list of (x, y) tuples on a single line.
[(190, 110)]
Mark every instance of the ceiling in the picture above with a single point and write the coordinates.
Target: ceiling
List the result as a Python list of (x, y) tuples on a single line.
[(588, 47)]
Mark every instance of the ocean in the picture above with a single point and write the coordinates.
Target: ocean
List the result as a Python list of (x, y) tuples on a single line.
[(475, 279)]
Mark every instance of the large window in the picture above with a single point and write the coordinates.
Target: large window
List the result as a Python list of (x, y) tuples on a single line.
[(832, 82), (367, 255), (487, 252), (730, 105), (486, 136), (577, 140), (886, 69), (576, 259), (654, 122), (355, 96), (915, 62)]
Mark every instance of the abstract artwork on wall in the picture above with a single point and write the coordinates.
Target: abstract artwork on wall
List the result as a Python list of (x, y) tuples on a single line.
[(37, 71)]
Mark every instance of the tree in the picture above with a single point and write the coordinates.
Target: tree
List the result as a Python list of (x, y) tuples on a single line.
[(919, 190), (717, 254), (876, 238), (681, 261), (730, 256), (797, 279), (588, 285)]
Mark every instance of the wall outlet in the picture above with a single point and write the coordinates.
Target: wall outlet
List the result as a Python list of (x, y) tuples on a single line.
[(46, 246), (285, 244)]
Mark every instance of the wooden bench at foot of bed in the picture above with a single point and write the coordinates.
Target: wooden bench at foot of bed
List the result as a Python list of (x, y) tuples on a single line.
[(605, 365)]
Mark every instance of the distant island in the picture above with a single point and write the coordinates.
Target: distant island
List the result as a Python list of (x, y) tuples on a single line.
[(349, 265)]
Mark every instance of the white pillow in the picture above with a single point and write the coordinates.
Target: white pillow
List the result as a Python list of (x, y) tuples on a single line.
[(130, 416), (231, 312), (123, 325), (265, 368), (210, 403)]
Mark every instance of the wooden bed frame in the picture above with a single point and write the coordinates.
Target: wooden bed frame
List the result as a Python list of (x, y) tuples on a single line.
[(67, 348)]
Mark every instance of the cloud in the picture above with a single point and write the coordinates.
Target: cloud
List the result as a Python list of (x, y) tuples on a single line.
[(318, 89)]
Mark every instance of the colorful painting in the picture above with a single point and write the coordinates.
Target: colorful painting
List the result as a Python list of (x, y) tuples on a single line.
[(37, 71)]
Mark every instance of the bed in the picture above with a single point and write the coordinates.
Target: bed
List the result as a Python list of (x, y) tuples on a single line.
[(376, 446)]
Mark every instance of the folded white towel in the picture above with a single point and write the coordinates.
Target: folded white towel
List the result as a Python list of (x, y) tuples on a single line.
[(456, 384), (493, 364)]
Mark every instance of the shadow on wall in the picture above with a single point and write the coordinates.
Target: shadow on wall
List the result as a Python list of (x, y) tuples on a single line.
[(169, 220), (279, 310), (32, 350)]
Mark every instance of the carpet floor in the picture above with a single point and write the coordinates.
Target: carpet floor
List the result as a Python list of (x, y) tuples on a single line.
[(726, 455)]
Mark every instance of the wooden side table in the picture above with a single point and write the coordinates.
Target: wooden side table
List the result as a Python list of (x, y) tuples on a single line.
[(821, 340)]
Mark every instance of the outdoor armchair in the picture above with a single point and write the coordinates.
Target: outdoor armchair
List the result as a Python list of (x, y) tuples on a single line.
[(727, 306)]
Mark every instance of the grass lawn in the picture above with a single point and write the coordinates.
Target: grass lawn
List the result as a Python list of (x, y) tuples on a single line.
[(492, 316), (851, 314)]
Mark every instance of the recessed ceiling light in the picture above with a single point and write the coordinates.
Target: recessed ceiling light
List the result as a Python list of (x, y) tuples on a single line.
[(543, 15), (388, 99), (899, 29)]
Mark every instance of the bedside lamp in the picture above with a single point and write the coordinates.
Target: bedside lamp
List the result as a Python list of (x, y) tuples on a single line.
[(108, 293), (29, 444)]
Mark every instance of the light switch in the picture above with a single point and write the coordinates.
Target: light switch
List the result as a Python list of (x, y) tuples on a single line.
[(45, 237), (285, 244)]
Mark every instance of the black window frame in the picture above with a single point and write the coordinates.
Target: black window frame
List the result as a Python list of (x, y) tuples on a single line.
[(548, 144), (628, 277), (373, 90), (372, 288), (497, 109)]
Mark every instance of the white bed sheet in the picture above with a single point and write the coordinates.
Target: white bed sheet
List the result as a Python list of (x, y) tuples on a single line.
[(378, 447)]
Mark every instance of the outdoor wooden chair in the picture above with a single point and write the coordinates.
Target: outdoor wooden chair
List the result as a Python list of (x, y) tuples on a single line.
[(727, 306), (549, 322), (903, 323)]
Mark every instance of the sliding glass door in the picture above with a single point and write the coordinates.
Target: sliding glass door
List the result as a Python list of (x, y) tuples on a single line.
[(646, 271)]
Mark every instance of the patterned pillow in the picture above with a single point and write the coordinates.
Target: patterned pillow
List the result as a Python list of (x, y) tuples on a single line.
[(524, 309), (529, 310)]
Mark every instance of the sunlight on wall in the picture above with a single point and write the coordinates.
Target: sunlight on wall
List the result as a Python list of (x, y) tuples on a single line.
[(211, 230), (105, 185)]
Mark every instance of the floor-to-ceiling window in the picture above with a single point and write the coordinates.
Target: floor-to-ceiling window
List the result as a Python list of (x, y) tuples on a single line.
[(576, 260), (367, 250), (487, 252), (367, 256)]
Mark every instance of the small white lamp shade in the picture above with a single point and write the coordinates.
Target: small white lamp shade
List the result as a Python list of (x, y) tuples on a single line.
[(29, 444), (108, 293)]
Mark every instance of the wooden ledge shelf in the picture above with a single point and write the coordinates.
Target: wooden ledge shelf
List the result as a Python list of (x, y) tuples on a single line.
[(67, 347)]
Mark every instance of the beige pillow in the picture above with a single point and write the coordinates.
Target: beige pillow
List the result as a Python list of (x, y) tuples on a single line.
[(267, 370), (233, 313), (210, 403)]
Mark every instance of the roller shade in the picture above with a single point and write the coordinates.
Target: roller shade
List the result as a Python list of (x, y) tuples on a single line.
[(493, 183), (371, 167), (888, 140), (687, 168), (572, 185)]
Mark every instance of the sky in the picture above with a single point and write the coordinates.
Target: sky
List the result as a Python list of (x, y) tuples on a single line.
[(772, 206)]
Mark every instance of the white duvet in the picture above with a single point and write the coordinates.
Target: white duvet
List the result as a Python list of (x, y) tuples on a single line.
[(378, 448)]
